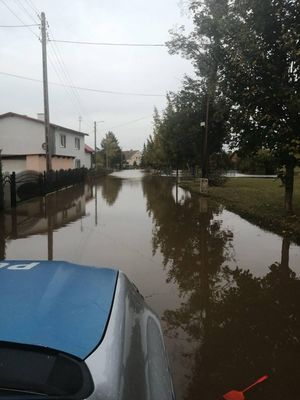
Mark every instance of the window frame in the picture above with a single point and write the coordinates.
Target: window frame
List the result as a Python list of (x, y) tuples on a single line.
[(77, 143), (63, 140)]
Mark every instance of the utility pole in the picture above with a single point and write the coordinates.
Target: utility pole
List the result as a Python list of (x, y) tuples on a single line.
[(205, 139), (79, 120), (48, 140), (95, 141)]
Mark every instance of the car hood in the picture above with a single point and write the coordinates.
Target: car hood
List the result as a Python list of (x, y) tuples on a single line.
[(58, 305)]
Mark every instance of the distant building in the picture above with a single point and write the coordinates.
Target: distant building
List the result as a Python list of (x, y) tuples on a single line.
[(132, 157), (88, 152), (234, 158), (22, 142)]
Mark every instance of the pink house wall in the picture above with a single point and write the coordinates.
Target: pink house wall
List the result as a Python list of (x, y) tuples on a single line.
[(38, 163)]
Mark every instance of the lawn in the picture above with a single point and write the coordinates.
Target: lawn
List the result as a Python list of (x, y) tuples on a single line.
[(258, 200)]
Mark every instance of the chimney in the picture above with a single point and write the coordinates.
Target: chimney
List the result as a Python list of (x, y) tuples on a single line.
[(41, 116)]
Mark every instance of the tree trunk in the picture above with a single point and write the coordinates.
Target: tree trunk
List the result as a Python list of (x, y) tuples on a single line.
[(285, 253), (289, 187), (285, 272)]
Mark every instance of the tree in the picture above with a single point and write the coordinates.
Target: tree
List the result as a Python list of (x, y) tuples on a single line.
[(262, 162), (111, 150), (203, 46), (261, 76), (247, 51), (110, 189), (177, 136)]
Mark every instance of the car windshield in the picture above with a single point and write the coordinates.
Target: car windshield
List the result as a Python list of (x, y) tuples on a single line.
[(28, 371)]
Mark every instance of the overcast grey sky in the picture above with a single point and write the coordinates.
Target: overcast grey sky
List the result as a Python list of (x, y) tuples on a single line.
[(149, 70)]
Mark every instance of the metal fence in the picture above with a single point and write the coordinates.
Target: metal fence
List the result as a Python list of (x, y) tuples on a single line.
[(28, 184)]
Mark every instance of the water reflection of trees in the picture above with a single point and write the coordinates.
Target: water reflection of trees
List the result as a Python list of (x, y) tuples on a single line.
[(193, 244), (111, 187), (252, 328), (243, 326)]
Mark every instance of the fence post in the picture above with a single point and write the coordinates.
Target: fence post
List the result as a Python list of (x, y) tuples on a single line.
[(13, 191), (41, 184)]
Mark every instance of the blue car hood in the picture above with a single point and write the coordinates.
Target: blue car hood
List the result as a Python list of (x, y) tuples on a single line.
[(58, 305)]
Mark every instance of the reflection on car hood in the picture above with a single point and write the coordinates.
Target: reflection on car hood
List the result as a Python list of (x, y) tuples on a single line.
[(58, 305)]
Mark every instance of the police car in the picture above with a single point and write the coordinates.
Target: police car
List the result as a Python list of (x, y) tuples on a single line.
[(77, 332)]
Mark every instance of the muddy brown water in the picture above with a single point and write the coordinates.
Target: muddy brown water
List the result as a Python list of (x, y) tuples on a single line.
[(227, 292)]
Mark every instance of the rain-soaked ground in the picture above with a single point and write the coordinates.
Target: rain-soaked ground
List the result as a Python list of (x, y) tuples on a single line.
[(227, 292)]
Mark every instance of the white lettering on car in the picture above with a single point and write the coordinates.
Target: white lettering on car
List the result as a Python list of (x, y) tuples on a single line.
[(22, 267), (3, 264)]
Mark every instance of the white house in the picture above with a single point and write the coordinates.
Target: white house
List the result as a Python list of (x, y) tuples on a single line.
[(21, 142), (88, 163), (133, 157)]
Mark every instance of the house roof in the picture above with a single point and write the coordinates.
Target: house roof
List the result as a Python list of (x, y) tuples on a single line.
[(129, 153), (88, 149), (12, 114)]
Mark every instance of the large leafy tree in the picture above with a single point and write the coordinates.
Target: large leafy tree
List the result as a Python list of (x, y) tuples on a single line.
[(248, 51), (111, 150), (177, 136), (261, 77), (203, 46)]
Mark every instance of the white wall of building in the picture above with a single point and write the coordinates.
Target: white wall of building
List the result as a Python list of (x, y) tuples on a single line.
[(70, 149), (88, 160), (21, 136), (135, 158)]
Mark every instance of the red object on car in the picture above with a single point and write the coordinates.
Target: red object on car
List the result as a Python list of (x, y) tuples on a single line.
[(239, 395)]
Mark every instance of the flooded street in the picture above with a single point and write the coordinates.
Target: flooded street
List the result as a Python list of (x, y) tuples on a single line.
[(227, 292)]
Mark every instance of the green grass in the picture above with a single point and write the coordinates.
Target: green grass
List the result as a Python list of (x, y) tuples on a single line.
[(259, 201)]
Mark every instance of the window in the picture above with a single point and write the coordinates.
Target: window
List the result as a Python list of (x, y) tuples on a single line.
[(62, 140), (77, 143), (77, 163), (64, 375)]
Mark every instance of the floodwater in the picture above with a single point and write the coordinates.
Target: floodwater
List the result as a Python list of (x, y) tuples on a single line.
[(227, 292)]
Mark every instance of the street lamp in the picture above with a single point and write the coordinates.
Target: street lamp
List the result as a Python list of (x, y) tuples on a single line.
[(95, 138)]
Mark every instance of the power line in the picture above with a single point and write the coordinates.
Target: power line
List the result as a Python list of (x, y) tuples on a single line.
[(20, 5), (22, 22), (18, 26), (66, 74), (57, 62), (83, 88), (59, 66), (33, 7), (130, 122), (111, 44)]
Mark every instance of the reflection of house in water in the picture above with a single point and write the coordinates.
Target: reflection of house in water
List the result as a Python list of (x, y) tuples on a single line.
[(31, 218)]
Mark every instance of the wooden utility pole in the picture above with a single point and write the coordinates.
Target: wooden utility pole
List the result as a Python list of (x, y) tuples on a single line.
[(95, 141), (48, 140), (205, 139)]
